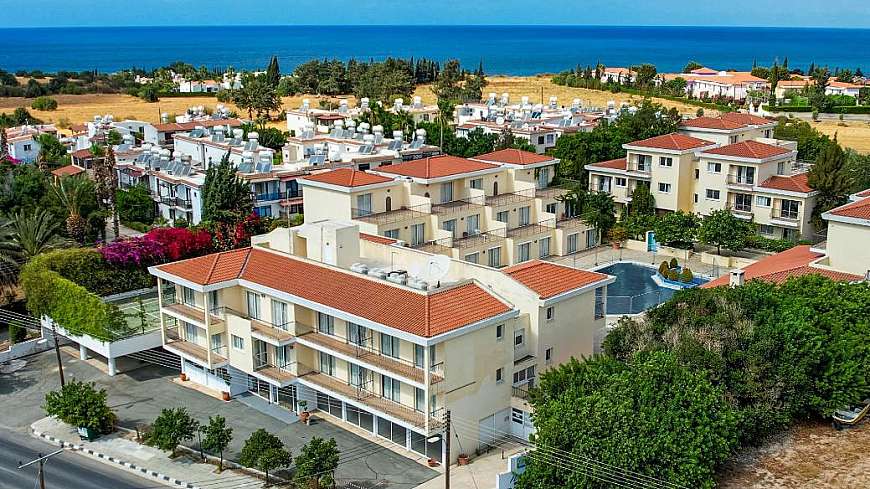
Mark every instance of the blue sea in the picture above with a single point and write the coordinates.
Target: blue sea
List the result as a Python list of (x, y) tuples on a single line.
[(515, 50)]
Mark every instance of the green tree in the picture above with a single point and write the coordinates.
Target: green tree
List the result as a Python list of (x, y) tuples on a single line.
[(171, 427), (51, 151), (225, 197), (106, 186), (642, 201), (135, 204), (256, 95), (650, 416), (810, 142), (599, 211), (316, 464), (44, 103), (830, 178), (692, 66), (678, 229), (27, 234), (858, 170), (645, 75), (817, 97), (264, 451), (80, 404), (723, 230), (217, 437), (273, 72), (72, 193)]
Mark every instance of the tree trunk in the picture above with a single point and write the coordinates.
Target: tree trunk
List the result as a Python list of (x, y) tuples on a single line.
[(115, 225)]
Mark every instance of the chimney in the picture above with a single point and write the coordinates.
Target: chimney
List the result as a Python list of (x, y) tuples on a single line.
[(737, 278)]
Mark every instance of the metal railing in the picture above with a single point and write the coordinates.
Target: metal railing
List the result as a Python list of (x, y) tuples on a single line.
[(268, 196), (510, 198), (779, 213), (456, 206), (395, 215), (472, 240), (741, 180), (532, 229)]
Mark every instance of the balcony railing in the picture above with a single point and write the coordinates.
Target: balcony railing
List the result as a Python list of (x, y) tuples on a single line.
[(284, 374), (785, 215), (740, 180), (192, 313), (510, 198), (522, 391), (267, 197), (570, 222), (178, 344), (532, 229), (456, 206), (474, 240), (274, 334), (397, 215), (367, 355)]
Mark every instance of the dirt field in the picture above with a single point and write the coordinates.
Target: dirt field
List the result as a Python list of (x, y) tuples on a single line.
[(809, 456), (79, 108)]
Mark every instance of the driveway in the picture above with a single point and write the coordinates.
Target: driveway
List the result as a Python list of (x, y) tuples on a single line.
[(138, 396)]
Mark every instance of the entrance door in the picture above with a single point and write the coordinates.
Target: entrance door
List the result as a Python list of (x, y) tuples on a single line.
[(261, 358)]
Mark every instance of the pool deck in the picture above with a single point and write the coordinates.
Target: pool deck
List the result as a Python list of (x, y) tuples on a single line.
[(606, 255)]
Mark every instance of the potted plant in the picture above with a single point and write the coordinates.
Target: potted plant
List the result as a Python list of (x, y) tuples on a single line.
[(225, 395), (463, 459), (432, 462), (304, 415), (183, 377), (617, 235)]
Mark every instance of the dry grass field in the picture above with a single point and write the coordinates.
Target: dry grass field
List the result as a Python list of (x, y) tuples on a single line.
[(76, 109)]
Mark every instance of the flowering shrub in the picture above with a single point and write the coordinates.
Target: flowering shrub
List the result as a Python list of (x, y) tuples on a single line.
[(157, 246), (232, 235)]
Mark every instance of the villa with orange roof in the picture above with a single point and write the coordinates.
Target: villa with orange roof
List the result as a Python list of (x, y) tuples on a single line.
[(498, 208), (365, 331), (707, 83), (716, 163)]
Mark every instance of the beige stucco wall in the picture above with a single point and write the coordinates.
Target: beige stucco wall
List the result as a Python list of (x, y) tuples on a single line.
[(848, 247)]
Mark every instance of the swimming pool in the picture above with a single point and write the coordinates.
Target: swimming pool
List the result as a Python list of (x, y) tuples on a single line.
[(634, 290)]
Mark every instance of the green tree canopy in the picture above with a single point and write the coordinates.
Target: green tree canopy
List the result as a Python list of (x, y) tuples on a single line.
[(225, 197), (830, 178), (80, 404), (264, 451), (217, 437), (273, 72), (171, 427), (723, 230), (136, 205), (678, 229), (642, 201), (316, 464)]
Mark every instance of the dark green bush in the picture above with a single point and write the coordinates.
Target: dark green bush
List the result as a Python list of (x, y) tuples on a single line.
[(86, 267), (664, 269), (17, 332), (674, 275), (44, 103), (686, 275), (767, 244), (673, 263)]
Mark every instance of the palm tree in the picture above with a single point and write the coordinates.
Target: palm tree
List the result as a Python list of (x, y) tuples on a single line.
[(27, 234), (71, 193)]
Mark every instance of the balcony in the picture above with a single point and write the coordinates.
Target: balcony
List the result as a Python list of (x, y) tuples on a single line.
[(191, 314), (532, 229), (740, 181), (278, 374), (522, 391), (438, 246), (398, 215), (479, 239), (455, 206), (190, 350), (270, 333), (570, 223), (366, 356), (267, 197), (510, 198), (331, 385), (785, 217), (176, 202)]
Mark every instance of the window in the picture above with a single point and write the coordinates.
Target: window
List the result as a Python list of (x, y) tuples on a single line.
[(523, 252), (473, 257), (28, 147), (664, 188), (263, 211), (544, 248), (789, 209), (417, 234), (599, 303), (391, 388), (745, 175), (446, 192), (697, 173), (499, 377), (217, 342), (358, 376), (712, 194), (419, 354), (525, 216), (279, 314), (253, 304), (666, 161), (325, 324), (494, 259), (620, 182), (238, 342), (450, 225), (732, 139), (419, 399), (526, 375), (714, 167), (327, 364), (364, 204), (540, 139), (392, 233), (476, 183), (188, 296), (552, 208), (644, 162), (191, 332), (762, 201), (519, 338), (358, 335), (550, 139), (548, 355), (789, 234), (389, 345), (696, 198), (765, 229), (543, 177), (551, 313), (743, 202), (214, 304), (502, 216), (572, 242), (780, 168), (499, 332), (472, 225)]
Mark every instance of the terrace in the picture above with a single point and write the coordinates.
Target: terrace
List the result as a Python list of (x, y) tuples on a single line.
[(401, 214), (532, 229)]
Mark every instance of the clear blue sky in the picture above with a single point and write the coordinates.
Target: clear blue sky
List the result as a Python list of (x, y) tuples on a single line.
[(783, 13)]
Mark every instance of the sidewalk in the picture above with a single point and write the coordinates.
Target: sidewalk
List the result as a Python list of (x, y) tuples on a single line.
[(481, 473), (120, 450)]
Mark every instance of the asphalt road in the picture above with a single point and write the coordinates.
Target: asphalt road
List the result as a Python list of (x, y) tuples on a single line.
[(63, 471)]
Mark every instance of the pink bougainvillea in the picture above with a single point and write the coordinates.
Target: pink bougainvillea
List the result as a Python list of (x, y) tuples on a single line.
[(157, 246)]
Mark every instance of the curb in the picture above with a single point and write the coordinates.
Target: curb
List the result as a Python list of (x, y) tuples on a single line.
[(141, 471)]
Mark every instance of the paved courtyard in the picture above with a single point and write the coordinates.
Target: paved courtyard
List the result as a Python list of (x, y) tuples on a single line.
[(138, 396)]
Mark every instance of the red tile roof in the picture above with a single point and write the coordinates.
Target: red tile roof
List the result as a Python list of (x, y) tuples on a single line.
[(750, 149), (374, 238), (793, 183), (82, 153), (779, 267), (67, 170), (745, 119), (857, 210), (864, 193), (189, 126), (437, 166), (711, 123), (348, 177), (673, 141), (617, 164), (549, 279), (514, 157), (418, 313)]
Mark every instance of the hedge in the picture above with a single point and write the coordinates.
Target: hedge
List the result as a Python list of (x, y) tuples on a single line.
[(768, 244), (849, 109), (88, 268)]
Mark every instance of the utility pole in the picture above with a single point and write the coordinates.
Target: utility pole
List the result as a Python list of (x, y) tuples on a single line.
[(447, 449), (57, 352), (41, 461)]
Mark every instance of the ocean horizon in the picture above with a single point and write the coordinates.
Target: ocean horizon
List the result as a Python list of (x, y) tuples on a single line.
[(503, 49)]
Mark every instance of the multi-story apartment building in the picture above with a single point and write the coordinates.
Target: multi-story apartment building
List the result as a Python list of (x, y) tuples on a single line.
[(738, 168), (22, 142), (497, 209), (377, 335)]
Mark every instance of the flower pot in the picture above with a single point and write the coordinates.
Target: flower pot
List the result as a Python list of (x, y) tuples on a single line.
[(433, 463), (616, 245), (304, 416), (225, 395), (463, 459), (183, 377)]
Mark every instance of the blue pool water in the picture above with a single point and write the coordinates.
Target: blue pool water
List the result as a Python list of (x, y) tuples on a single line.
[(634, 290)]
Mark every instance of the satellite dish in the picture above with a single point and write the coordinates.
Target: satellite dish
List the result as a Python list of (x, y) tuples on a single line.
[(499, 120), (437, 267)]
